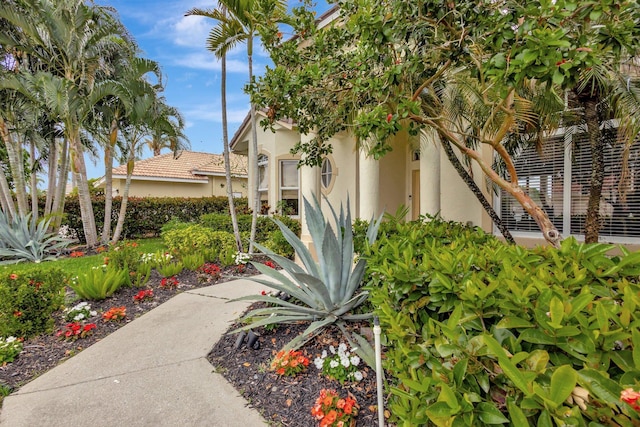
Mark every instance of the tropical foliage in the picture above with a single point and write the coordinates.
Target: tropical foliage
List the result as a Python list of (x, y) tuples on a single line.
[(71, 83), (325, 292)]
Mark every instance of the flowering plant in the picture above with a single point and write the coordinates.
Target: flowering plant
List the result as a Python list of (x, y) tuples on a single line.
[(76, 254), (13, 276), (10, 348), (242, 258), (211, 269), (80, 311), (169, 282), (75, 330), (143, 295), (333, 411), (341, 365), (289, 363), (115, 313), (631, 397), (270, 264)]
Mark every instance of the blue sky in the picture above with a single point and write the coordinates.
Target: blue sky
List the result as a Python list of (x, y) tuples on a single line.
[(190, 72)]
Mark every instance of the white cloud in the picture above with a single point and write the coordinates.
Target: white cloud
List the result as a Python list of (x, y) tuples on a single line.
[(192, 31), (211, 113)]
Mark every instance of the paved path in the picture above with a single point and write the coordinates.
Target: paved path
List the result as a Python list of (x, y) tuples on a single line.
[(151, 372)]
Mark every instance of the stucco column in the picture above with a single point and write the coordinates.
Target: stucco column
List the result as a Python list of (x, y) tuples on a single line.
[(369, 186), (429, 173), (309, 188)]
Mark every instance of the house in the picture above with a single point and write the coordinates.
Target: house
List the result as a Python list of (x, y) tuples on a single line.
[(185, 174), (417, 174)]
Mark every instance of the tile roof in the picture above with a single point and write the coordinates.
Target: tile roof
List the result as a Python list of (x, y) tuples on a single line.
[(189, 165)]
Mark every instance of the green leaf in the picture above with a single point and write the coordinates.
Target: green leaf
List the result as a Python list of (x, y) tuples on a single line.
[(448, 396), (563, 381), (556, 311), (489, 414), (513, 322), (600, 386), (518, 419), (441, 414), (635, 339)]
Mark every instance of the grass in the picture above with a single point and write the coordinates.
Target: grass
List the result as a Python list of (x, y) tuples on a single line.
[(74, 266)]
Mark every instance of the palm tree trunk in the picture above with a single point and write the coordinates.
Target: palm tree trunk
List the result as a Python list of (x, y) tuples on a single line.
[(6, 200), (593, 222), (84, 196), (58, 201), (34, 183), (51, 175), (123, 203), (227, 162), (16, 165), (462, 172), (254, 154), (108, 182)]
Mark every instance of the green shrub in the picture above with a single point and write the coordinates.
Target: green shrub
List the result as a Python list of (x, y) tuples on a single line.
[(99, 283), (196, 238), (172, 224), (170, 269), (192, 262), (28, 300), (279, 245), (480, 332), (264, 227), (124, 255)]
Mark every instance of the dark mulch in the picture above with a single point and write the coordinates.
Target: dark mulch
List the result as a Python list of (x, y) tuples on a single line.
[(287, 401), (283, 401)]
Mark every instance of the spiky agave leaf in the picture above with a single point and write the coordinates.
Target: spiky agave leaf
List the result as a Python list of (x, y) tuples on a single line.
[(325, 290)]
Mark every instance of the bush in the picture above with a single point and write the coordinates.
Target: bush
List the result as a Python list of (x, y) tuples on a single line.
[(482, 333), (265, 226), (99, 282), (146, 215), (28, 300), (124, 255), (197, 238), (279, 245)]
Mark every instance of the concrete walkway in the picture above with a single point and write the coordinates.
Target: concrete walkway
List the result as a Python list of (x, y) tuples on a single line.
[(151, 372)]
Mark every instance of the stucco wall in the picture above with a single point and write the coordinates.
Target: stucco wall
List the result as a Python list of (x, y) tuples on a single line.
[(394, 190), (344, 162), (142, 188)]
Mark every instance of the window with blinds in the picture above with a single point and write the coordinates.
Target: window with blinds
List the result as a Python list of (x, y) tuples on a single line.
[(558, 179), (263, 183), (289, 187)]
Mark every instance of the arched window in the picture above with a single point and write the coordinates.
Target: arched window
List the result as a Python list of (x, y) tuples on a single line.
[(326, 173), (263, 183)]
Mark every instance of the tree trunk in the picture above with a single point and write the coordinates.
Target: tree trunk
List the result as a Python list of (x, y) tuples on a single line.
[(58, 201), (16, 166), (6, 200), (51, 175), (254, 156), (34, 183), (462, 172), (84, 196), (123, 203), (227, 162), (593, 221), (108, 181)]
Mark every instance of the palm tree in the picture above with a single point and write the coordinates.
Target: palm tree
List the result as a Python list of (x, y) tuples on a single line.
[(72, 38), (238, 22)]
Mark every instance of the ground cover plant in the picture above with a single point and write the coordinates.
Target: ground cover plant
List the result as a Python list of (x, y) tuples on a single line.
[(479, 332)]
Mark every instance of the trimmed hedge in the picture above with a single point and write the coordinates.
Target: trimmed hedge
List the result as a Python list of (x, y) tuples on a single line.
[(483, 333), (145, 216)]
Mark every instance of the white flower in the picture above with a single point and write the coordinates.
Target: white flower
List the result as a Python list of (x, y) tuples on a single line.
[(11, 339), (93, 313), (357, 375), (332, 349), (324, 354), (334, 364), (318, 362), (355, 360), (345, 362), (342, 348), (78, 317)]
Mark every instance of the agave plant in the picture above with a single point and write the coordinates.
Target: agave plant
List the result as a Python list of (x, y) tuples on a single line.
[(24, 241), (325, 291)]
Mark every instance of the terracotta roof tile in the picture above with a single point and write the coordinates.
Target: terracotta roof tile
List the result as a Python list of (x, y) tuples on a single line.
[(188, 165)]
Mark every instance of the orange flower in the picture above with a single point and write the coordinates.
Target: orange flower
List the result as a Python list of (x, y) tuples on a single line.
[(13, 276)]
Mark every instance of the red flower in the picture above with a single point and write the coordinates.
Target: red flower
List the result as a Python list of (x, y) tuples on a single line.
[(389, 117), (263, 293), (17, 313), (631, 397), (13, 276), (270, 264)]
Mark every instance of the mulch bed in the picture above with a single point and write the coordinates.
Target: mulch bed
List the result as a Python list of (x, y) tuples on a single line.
[(283, 401), (287, 401)]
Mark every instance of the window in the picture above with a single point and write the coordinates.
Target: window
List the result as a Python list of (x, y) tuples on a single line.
[(289, 188), (326, 173), (263, 183), (558, 179)]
